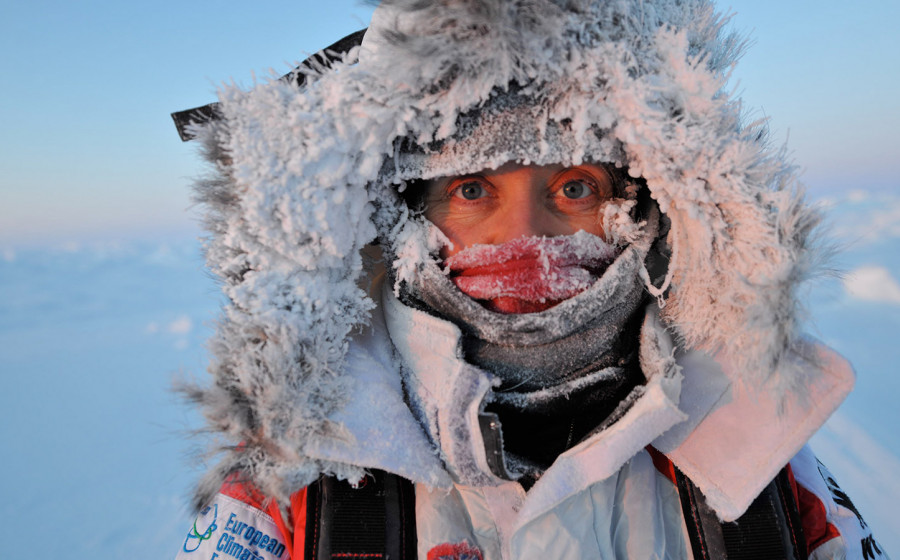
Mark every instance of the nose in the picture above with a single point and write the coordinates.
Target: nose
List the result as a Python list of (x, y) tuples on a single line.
[(522, 216)]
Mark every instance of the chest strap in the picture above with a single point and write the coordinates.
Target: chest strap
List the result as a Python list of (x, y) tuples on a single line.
[(377, 519), (770, 528)]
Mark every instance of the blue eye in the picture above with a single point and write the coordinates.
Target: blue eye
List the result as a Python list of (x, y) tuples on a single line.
[(576, 189), (470, 191)]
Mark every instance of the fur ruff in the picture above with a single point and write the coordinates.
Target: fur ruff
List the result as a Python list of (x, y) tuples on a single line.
[(304, 179)]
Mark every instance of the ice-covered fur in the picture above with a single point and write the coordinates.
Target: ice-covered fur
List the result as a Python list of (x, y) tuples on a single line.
[(305, 179)]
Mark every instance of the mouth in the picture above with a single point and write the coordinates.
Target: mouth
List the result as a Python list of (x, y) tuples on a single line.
[(530, 274)]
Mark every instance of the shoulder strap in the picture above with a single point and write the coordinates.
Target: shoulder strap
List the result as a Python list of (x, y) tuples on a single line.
[(770, 528), (376, 519)]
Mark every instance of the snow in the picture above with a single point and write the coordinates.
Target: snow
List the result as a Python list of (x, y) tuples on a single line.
[(866, 469), (95, 446)]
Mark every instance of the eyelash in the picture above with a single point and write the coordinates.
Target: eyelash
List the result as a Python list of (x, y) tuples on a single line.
[(457, 187), (454, 190), (588, 182)]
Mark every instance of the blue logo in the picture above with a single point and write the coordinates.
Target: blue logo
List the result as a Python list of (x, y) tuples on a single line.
[(199, 536)]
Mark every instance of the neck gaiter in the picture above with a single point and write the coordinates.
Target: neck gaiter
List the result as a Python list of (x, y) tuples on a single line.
[(565, 369)]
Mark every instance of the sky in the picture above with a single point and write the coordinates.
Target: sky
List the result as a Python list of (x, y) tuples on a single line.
[(87, 149)]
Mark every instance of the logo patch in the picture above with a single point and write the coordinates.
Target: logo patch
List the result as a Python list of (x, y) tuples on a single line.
[(229, 529), (207, 520), (455, 551)]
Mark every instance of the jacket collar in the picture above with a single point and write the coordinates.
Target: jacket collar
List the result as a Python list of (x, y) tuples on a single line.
[(450, 394), (729, 439), (737, 438), (376, 429)]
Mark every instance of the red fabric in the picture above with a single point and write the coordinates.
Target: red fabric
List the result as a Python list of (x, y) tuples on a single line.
[(518, 272), (294, 525), (454, 551), (275, 512), (513, 306), (816, 528), (528, 274), (293, 530), (243, 491), (662, 464), (298, 512)]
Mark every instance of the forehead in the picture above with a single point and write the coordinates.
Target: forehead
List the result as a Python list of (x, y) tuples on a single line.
[(514, 171)]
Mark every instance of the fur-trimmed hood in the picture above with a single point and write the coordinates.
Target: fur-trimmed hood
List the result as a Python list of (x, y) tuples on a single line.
[(306, 178)]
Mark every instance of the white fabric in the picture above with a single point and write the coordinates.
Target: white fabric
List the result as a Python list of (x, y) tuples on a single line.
[(634, 514), (228, 528), (733, 448), (856, 541), (376, 427)]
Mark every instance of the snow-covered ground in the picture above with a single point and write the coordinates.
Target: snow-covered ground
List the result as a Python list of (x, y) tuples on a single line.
[(859, 316), (97, 453)]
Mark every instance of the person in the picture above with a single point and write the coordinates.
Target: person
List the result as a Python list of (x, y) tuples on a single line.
[(513, 280)]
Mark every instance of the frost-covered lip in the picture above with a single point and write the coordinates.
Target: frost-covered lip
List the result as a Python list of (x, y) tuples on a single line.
[(510, 266), (526, 265), (582, 250), (530, 274)]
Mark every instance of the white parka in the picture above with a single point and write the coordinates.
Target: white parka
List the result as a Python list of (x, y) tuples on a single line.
[(307, 366), (603, 498)]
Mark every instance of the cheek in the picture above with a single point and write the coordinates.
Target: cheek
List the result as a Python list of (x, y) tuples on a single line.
[(461, 237), (592, 224), (462, 229), (588, 221)]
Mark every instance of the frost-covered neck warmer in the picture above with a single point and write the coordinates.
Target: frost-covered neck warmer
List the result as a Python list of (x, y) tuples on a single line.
[(551, 348), (530, 274), (565, 369), (562, 373), (304, 179)]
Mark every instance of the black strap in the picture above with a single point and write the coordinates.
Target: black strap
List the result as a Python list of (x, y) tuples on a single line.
[(770, 528), (324, 58), (377, 519)]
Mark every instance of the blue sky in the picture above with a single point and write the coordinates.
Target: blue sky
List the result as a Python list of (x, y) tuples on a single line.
[(87, 148)]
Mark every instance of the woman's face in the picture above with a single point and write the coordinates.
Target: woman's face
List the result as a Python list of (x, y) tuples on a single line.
[(496, 206)]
